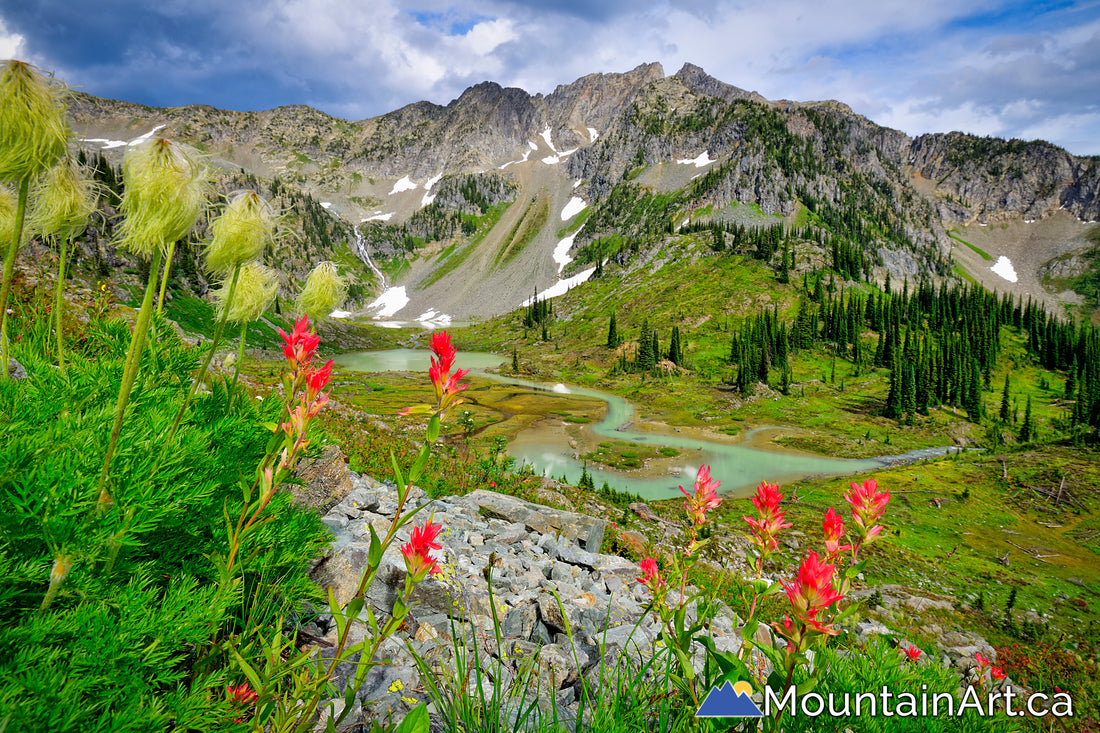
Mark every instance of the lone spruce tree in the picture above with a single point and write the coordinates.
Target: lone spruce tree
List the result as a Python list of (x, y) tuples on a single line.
[(1027, 429), (613, 334)]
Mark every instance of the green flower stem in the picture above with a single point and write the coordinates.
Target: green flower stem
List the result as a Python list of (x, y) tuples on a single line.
[(164, 278), (133, 361), (367, 578), (59, 304), (240, 354), (218, 330), (9, 266)]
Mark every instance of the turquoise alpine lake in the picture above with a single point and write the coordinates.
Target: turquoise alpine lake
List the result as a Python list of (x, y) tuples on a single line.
[(740, 468)]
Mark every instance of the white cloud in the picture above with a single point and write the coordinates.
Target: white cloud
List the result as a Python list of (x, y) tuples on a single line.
[(12, 45), (485, 37)]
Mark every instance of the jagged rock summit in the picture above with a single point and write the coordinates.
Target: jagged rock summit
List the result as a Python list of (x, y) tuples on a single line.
[(613, 144)]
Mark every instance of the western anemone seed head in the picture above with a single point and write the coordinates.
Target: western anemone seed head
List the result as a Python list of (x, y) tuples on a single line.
[(241, 233), (324, 291), (165, 194), (63, 201), (7, 214), (256, 286), (34, 134)]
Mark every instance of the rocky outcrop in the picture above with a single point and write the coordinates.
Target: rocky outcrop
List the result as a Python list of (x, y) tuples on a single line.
[(989, 179), (564, 610), (566, 613)]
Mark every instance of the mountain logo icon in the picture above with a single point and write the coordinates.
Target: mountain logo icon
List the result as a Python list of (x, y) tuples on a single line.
[(729, 701)]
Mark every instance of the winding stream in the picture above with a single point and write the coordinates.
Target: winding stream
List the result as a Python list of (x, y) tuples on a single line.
[(549, 450)]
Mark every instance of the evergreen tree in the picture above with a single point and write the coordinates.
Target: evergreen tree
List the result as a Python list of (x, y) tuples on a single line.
[(893, 398), (973, 398), (515, 362), (1071, 381), (612, 334), (646, 359), (1004, 413), (675, 351), (819, 290), (909, 392), (1027, 429)]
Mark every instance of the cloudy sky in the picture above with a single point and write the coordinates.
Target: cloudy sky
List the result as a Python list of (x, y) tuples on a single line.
[(991, 67)]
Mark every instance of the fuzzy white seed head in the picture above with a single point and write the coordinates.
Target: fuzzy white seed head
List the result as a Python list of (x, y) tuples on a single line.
[(33, 130), (256, 288), (7, 214), (62, 202), (324, 291), (241, 234), (166, 193)]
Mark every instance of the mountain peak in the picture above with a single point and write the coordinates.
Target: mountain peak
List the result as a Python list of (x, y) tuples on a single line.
[(699, 81)]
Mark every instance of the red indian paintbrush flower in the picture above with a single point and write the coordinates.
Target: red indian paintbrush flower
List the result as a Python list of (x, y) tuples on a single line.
[(868, 506), (911, 652), (651, 578), (300, 345), (443, 358), (651, 575), (444, 383), (813, 587), (241, 696), (704, 498), (833, 527), (444, 350), (810, 594), (770, 522), (316, 380), (417, 551)]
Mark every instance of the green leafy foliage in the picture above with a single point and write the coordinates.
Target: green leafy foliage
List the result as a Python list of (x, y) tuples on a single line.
[(126, 642)]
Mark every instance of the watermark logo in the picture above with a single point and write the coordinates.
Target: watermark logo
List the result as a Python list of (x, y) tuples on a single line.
[(734, 700), (730, 701)]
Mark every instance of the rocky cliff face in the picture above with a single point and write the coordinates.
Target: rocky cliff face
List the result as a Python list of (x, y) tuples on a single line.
[(988, 179)]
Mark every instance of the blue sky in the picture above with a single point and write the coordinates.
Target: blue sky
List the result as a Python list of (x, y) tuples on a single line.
[(1011, 69)]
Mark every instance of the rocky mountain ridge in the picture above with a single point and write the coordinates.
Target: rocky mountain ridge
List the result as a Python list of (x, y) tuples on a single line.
[(699, 146)]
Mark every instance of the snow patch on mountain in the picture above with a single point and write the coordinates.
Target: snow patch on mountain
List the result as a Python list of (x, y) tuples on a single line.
[(108, 144), (433, 319), (390, 302), (561, 252), (404, 184), (526, 155), (1004, 269), (704, 159), (575, 206), (545, 134), (561, 287), (428, 195)]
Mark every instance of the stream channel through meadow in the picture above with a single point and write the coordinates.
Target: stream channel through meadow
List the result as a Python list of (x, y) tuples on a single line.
[(552, 446)]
